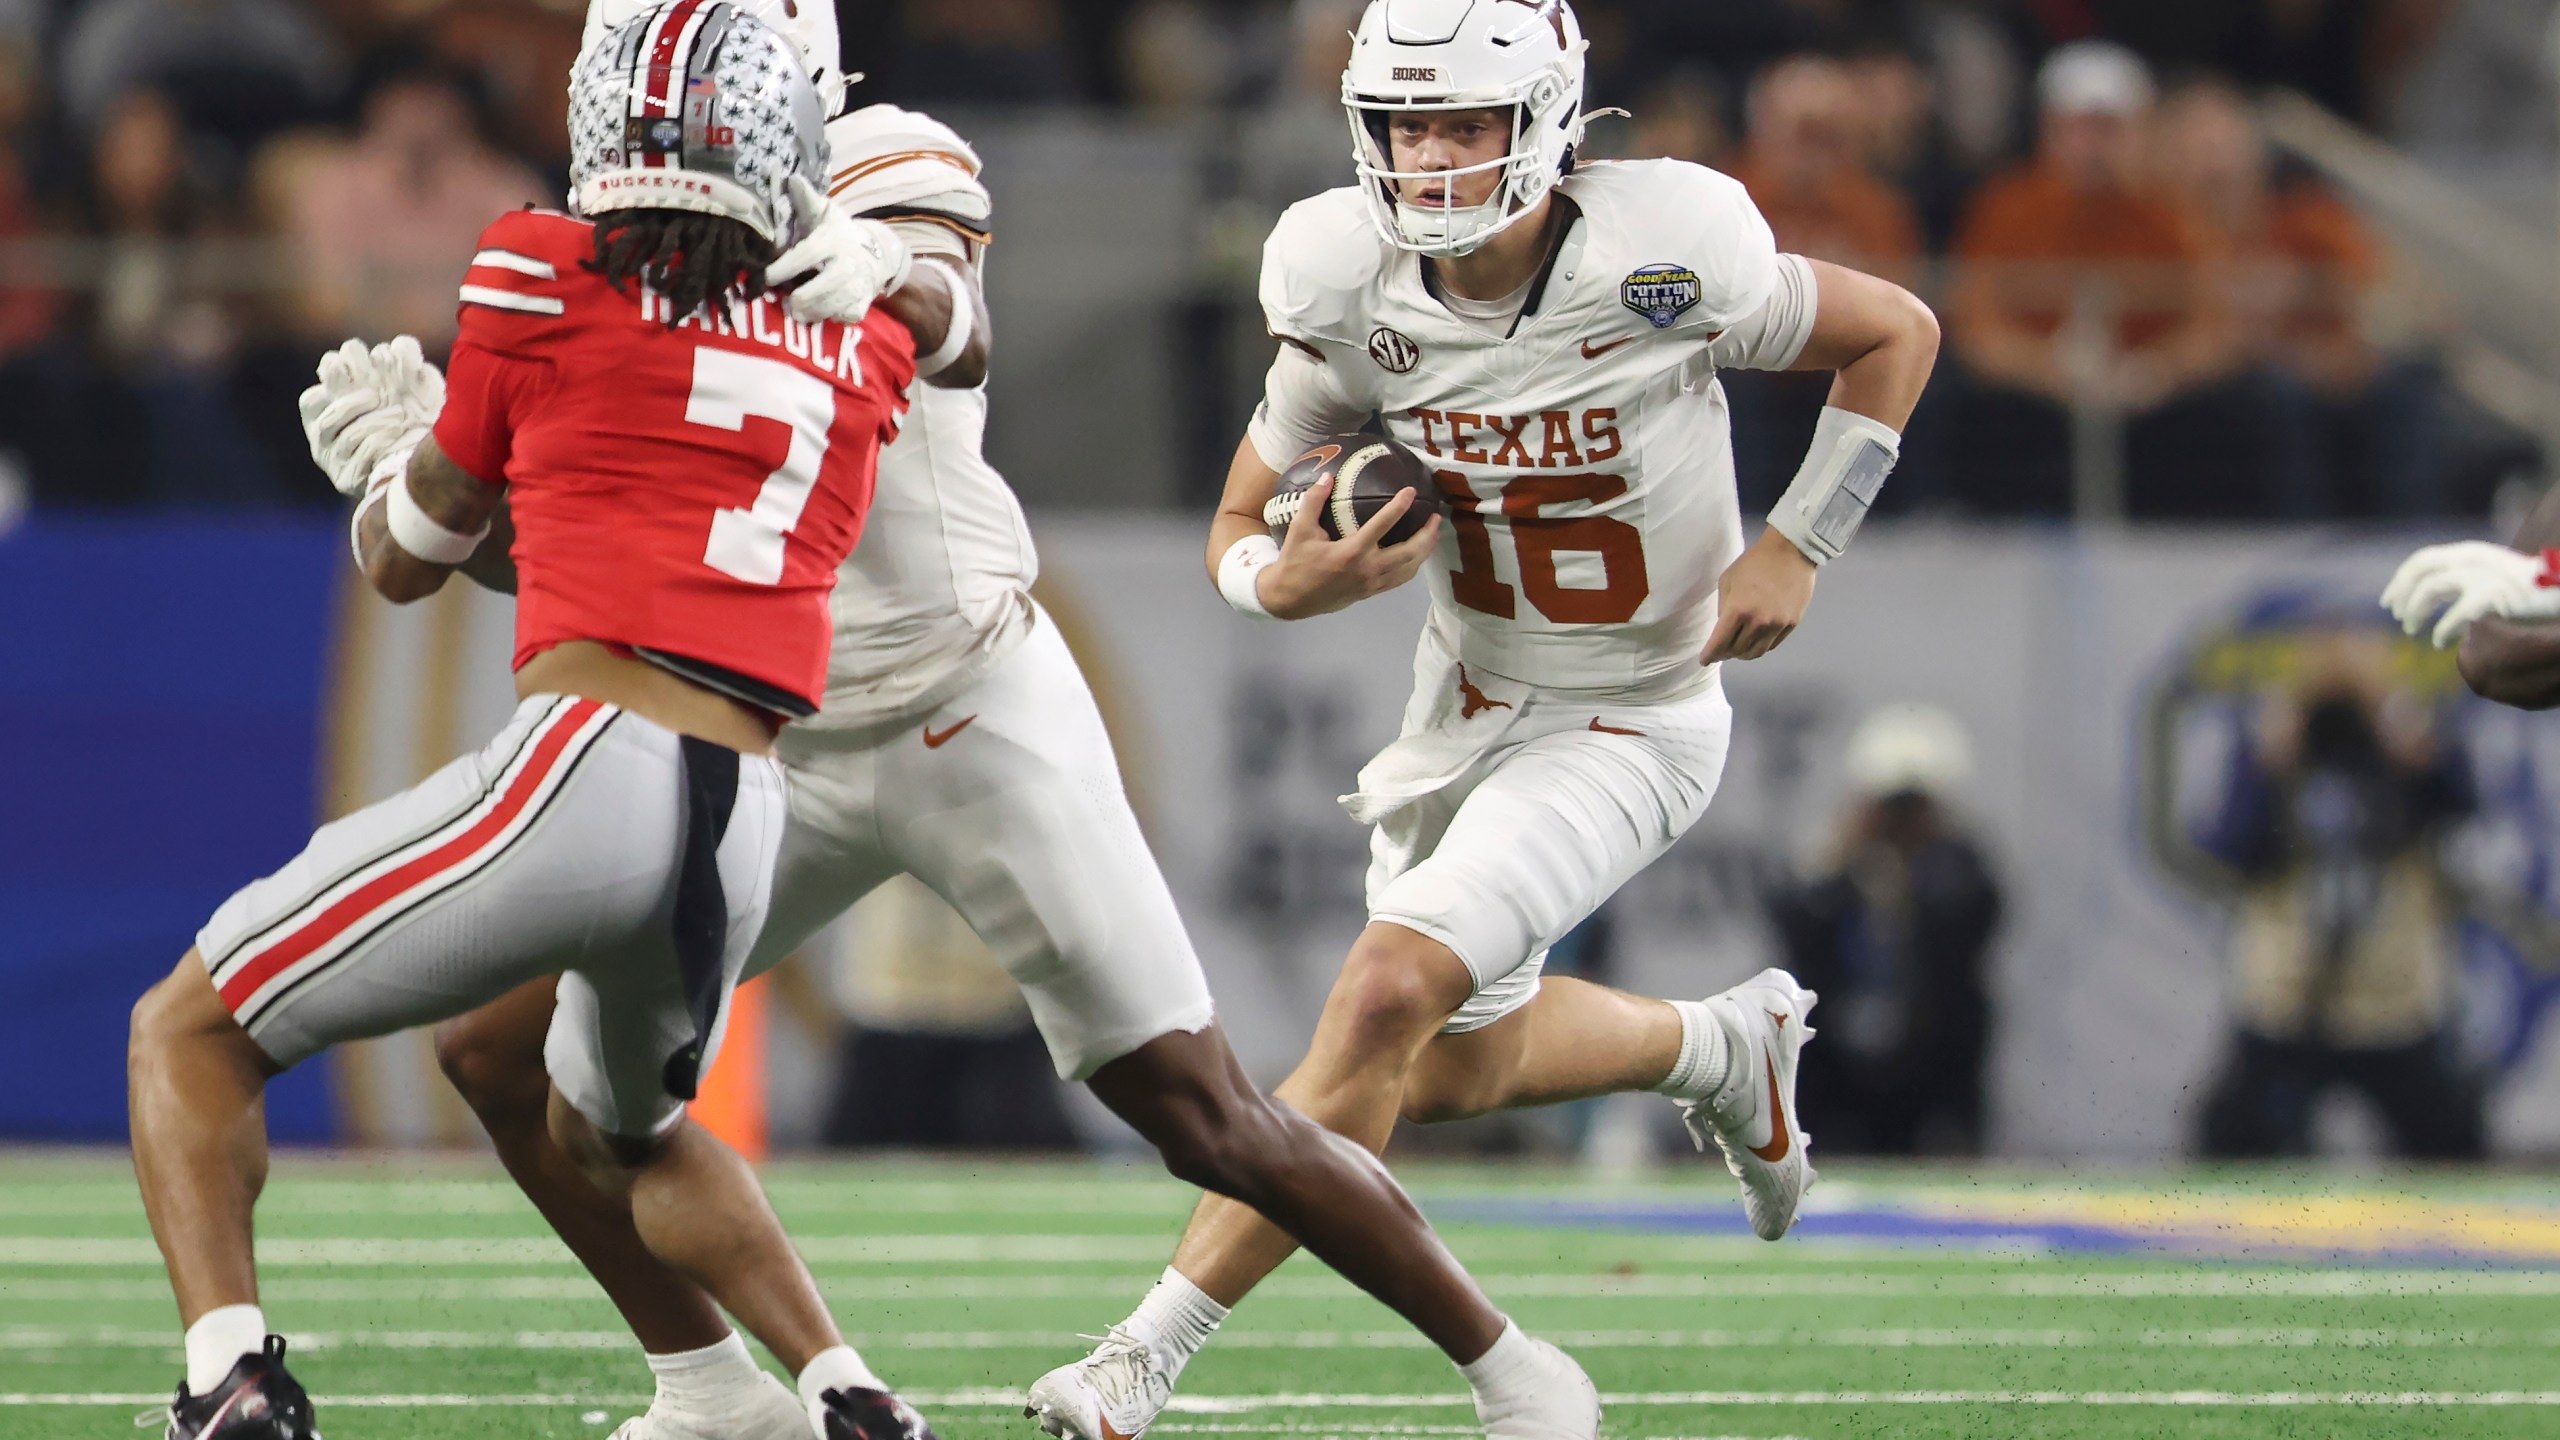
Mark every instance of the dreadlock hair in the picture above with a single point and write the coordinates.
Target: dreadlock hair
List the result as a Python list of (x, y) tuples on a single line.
[(692, 259)]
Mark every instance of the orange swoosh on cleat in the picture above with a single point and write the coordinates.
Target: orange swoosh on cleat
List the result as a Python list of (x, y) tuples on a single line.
[(1776, 1149), (1112, 1432), (933, 741)]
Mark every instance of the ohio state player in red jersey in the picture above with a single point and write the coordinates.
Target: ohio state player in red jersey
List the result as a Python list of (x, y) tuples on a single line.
[(686, 469), (731, 450)]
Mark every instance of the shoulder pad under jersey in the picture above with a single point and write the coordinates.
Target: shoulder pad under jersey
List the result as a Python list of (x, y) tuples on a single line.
[(1673, 213), (883, 158), (1318, 267), (524, 274)]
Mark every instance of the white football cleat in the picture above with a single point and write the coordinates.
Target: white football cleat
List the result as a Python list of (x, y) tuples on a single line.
[(769, 1411), (1752, 1118), (1566, 1405), (1115, 1393)]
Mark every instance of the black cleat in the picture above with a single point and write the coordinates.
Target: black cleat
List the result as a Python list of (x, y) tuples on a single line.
[(872, 1415), (258, 1400)]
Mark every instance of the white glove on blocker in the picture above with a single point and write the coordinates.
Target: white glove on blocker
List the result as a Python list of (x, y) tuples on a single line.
[(2468, 580), (857, 261), (370, 405)]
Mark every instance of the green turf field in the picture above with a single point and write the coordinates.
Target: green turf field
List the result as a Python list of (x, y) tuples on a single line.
[(425, 1300)]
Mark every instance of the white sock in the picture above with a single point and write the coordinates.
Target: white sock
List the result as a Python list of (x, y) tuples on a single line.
[(1706, 1052), (1177, 1318), (837, 1369), (703, 1380), (216, 1342), (1505, 1374)]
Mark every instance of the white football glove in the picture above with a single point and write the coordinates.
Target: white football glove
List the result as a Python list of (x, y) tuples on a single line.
[(370, 405), (857, 261), (2468, 580)]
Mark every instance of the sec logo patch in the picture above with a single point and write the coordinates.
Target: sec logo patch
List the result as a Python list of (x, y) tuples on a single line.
[(1660, 293), (1394, 350)]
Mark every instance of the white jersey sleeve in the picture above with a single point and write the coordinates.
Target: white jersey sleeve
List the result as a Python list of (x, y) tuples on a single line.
[(1771, 337), (1317, 269), (1302, 403), (886, 163), (1318, 262)]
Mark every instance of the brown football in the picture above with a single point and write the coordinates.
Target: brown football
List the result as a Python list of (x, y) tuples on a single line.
[(1367, 469)]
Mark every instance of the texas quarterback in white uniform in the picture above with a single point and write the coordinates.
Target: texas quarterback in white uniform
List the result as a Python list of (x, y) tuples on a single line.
[(1546, 334), (958, 742)]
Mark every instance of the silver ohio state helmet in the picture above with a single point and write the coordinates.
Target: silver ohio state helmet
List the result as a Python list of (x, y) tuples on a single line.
[(695, 105), (810, 26), (1519, 56)]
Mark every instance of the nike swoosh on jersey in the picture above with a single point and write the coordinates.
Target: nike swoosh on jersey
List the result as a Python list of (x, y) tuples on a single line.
[(1611, 729), (1594, 352), (933, 741)]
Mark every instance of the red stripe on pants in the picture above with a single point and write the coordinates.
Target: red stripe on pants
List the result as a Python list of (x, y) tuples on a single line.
[(386, 888)]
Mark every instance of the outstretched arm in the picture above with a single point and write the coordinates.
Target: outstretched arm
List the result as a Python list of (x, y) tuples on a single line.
[(1881, 344), (848, 263), (2517, 662), (940, 293), (445, 511)]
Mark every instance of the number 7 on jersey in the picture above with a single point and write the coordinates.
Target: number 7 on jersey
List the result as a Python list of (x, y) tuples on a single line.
[(728, 388)]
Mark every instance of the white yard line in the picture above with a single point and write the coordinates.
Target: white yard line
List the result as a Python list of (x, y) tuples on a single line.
[(1212, 1427), (59, 1252), (1248, 1404), (2234, 1281), (400, 1196), (27, 1338)]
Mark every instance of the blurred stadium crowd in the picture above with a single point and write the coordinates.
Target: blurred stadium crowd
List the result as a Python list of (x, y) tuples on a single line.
[(196, 196)]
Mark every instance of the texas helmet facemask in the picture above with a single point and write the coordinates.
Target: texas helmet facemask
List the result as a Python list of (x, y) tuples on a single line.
[(1520, 57)]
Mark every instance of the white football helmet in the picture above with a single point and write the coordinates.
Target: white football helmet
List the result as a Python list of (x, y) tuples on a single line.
[(695, 105), (810, 26), (1521, 55)]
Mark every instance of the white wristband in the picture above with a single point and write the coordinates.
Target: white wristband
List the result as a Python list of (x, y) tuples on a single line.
[(955, 336), (417, 532), (1240, 574), (1842, 472)]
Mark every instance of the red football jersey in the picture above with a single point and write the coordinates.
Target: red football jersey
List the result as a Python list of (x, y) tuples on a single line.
[(688, 491)]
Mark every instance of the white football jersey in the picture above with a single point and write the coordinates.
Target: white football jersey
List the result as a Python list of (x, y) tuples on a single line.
[(941, 584), (1586, 454)]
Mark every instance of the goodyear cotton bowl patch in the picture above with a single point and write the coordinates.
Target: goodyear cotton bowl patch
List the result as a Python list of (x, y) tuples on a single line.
[(1660, 292)]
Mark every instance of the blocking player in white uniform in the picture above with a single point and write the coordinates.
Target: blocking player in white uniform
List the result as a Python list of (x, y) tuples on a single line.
[(1547, 335), (957, 742)]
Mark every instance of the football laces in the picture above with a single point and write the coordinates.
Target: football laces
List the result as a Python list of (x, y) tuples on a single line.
[(1281, 511)]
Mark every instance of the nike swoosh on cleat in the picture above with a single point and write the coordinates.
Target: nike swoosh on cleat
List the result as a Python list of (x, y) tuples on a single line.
[(1776, 1149), (936, 742), (1594, 352)]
